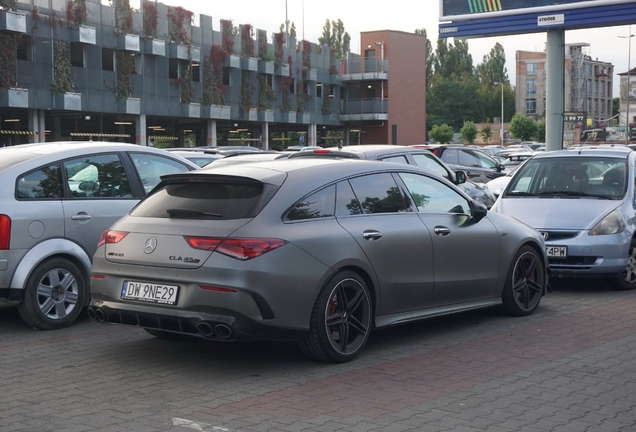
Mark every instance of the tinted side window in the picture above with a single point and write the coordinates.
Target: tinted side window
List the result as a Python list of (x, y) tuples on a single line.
[(44, 182), (467, 158), (317, 205), (378, 193), (450, 156), (152, 167), (485, 161), (431, 163), (432, 196), (346, 202), (97, 176), (396, 159)]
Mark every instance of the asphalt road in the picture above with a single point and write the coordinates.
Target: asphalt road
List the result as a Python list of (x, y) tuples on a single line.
[(569, 367)]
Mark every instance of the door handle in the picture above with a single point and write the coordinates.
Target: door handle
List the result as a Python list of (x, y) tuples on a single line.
[(81, 216), (441, 231), (372, 235)]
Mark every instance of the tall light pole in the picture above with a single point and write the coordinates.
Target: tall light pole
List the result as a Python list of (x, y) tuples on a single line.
[(629, 66), (501, 129)]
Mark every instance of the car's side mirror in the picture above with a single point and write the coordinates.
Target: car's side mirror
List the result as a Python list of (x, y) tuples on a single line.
[(501, 167), (478, 210), (460, 177)]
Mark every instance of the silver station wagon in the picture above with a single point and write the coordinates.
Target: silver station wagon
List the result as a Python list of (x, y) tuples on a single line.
[(56, 200), (314, 250)]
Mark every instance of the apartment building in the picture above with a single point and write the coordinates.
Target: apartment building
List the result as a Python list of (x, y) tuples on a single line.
[(588, 86)]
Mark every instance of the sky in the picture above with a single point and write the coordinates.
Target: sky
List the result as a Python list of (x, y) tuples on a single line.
[(606, 44)]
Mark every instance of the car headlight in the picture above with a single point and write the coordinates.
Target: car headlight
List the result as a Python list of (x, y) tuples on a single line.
[(613, 223)]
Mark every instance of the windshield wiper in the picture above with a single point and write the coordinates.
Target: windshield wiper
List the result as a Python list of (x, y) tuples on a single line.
[(561, 193), (519, 193), (186, 212)]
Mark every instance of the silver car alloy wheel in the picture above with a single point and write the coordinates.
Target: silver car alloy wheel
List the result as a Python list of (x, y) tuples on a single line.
[(57, 293)]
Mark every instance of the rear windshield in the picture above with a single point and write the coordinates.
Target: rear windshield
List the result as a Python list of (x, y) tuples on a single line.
[(201, 201)]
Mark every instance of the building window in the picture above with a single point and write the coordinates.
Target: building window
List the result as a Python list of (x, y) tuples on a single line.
[(173, 68), (602, 90), (589, 87), (531, 68), (595, 88), (77, 55), (108, 59), (319, 90), (531, 86), (226, 76), (25, 48), (531, 106)]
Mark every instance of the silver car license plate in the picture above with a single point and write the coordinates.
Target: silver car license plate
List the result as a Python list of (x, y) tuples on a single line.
[(150, 292), (556, 251)]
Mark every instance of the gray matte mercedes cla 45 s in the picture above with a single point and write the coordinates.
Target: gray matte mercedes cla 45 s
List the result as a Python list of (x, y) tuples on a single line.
[(318, 251)]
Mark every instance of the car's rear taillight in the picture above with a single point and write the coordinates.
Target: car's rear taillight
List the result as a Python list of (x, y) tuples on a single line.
[(109, 236), (241, 249), (5, 232)]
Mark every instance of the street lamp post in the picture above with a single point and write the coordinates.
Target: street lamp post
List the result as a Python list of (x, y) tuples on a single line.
[(629, 66), (501, 129)]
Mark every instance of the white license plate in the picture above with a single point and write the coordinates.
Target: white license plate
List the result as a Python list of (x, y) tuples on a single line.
[(150, 292), (556, 251)]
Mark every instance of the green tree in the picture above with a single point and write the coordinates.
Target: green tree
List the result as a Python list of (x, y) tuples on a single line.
[(523, 127), (453, 61), (430, 57), (616, 108), (453, 102), (492, 69), (468, 132), (486, 132), (442, 133), (541, 130), (335, 36)]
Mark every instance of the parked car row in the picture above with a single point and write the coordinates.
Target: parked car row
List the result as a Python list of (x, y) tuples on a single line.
[(375, 236), (358, 236)]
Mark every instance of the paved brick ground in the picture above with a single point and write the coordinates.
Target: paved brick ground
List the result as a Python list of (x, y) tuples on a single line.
[(568, 367)]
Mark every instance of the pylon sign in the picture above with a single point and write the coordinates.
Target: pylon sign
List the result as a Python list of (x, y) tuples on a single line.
[(483, 18), (455, 10)]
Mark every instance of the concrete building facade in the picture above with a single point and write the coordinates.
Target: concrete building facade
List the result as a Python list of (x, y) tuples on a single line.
[(111, 73)]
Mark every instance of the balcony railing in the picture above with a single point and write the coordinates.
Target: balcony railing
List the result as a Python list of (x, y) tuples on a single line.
[(367, 108), (370, 65)]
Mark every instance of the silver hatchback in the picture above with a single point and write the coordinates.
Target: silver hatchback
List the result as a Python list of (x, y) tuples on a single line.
[(55, 201), (583, 203)]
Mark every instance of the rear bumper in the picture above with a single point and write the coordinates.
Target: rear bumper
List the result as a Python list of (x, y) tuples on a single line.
[(208, 323)]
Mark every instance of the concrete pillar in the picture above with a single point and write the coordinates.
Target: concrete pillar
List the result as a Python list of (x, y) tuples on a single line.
[(265, 136), (347, 132), (36, 124), (140, 131), (311, 138), (555, 62), (211, 132)]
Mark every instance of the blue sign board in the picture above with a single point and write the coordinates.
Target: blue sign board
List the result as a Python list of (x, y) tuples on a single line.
[(525, 23), (455, 10)]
